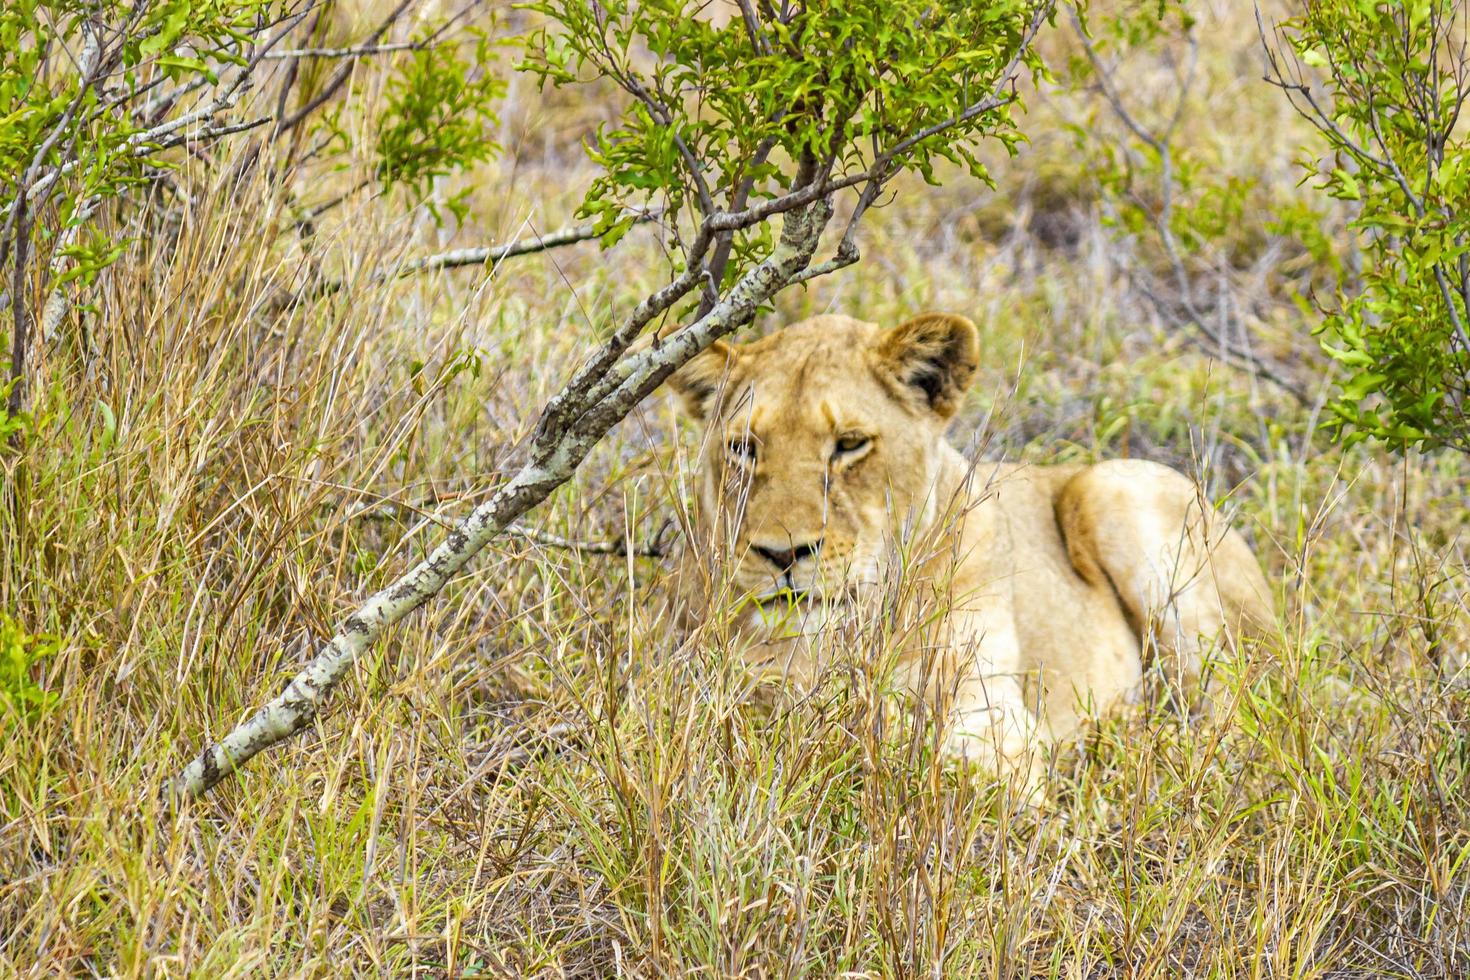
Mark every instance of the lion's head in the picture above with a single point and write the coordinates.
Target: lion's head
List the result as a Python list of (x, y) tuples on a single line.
[(822, 446)]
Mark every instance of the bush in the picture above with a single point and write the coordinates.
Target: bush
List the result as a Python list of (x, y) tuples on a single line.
[(1385, 84)]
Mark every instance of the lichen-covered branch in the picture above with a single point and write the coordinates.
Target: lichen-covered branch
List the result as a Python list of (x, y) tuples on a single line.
[(555, 458)]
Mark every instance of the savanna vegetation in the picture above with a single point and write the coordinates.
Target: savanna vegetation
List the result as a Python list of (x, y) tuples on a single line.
[(288, 287)]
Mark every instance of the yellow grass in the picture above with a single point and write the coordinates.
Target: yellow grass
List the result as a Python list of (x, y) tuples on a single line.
[(530, 777)]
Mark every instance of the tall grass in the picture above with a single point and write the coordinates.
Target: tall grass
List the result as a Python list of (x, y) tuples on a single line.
[(534, 776)]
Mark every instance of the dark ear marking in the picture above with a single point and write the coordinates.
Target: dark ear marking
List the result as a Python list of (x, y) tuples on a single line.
[(699, 382), (931, 358)]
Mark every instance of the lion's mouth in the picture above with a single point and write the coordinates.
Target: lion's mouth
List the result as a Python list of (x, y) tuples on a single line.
[(783, 598), (786, 597)]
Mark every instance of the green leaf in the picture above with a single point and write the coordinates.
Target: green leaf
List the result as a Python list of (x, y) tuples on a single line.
[(189, 64)]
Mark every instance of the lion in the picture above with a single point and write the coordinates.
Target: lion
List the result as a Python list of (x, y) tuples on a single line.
[(825, 457)]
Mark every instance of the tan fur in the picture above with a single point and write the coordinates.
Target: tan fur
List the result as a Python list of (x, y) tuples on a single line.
[(1055, 583)]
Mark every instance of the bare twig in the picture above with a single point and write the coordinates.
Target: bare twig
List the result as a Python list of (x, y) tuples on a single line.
[(20, 312), (359, 51), (459, 258), (620, 547), (340, 76)]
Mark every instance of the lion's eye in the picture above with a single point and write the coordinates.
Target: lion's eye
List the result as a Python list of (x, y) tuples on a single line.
[(741, 450), (851, 443)]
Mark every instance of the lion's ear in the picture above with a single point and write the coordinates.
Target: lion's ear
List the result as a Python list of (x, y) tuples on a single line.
[(932, 356), (698, 382)]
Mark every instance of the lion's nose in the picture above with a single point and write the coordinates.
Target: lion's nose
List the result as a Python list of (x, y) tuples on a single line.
[(787, 559)]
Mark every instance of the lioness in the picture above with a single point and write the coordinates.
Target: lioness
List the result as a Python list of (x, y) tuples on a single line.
[(826, 456)]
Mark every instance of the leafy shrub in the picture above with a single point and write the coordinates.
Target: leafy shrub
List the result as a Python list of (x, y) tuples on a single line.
[(434, 124), (1385, 83)]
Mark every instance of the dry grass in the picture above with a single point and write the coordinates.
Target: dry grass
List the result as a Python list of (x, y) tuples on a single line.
[(532, 777)]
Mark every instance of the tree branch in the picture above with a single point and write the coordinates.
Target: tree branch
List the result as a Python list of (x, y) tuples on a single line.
[(360, 51), (461, 257), (617, 547), (600, 394), (295, 707), (340, 76), (166, 135)]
